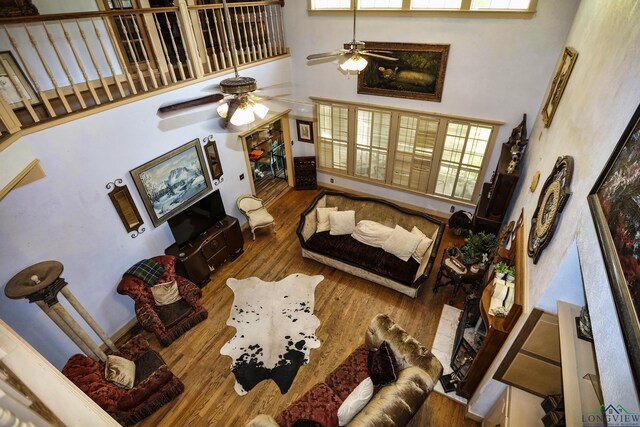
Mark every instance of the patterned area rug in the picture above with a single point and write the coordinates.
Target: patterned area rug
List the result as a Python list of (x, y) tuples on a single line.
[(275, 329)]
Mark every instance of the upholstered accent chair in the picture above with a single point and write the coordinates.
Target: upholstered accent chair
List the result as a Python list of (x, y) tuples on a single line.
[(154, 386), (255, 212), (167, 322)]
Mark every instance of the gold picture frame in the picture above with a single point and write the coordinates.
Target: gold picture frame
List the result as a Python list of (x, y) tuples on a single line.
[(560, 79), (125, 207), (418, 72), (14, 85)]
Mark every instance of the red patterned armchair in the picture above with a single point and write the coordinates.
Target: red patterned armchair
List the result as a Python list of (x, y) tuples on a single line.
[(154, 386), (168, 322)]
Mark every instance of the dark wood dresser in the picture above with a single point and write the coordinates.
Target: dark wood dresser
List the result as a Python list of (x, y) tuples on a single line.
[(305, 173), (208, 251)]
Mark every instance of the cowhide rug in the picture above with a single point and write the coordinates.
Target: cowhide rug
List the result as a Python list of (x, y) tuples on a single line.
[(275, 329)]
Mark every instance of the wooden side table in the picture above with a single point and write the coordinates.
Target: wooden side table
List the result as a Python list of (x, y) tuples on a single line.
[(454, 272)]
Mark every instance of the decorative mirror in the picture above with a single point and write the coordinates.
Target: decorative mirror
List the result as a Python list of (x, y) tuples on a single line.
[(127, 210), (211, 153), (554, 195)]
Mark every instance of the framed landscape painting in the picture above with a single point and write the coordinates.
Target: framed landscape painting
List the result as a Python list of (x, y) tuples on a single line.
[(615, 206), (418, 73), (170, 183)]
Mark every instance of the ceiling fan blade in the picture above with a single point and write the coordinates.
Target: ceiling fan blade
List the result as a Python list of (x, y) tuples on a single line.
[(209, 99), (376, 51), (388, 58), (325, 55), (234, 103)]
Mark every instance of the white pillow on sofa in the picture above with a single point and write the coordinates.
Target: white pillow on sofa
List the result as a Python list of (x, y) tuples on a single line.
[(354, 403), (423, 246), (401, 243), (342, 222), (371, 233), (322, 216)]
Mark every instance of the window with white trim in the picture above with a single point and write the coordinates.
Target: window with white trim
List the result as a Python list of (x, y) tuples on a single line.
[(427, 154), (372, 143), (330, 4), (379, 4), (333, 125), (513, 8)]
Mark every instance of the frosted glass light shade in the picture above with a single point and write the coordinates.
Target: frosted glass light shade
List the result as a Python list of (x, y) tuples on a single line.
[(261, 110), (223, 109), (355, 63), (242, 116)]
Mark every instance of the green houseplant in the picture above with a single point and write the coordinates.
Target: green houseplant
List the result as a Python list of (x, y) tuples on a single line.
[(501, 269), (476, 245)]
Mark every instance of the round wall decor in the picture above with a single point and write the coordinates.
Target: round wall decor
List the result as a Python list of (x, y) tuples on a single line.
[(554, 195)]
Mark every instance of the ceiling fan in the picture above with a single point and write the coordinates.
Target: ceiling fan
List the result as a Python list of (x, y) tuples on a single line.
[(240, 106), (353, 52)]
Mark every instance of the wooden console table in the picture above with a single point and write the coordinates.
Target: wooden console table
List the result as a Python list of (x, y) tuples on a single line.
[(208, 251)]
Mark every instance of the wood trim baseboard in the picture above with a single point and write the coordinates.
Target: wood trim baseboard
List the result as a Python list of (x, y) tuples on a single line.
[(122, 331)]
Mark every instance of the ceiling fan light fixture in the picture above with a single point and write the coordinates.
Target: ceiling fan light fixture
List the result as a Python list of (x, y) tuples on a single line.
[(243, 115), (223, 109), (260, 110), (355, 63)]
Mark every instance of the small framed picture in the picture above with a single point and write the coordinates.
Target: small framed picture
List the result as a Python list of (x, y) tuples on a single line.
[(305, 130), (14, 86)]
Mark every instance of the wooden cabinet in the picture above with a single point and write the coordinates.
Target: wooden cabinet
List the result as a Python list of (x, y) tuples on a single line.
[(496, 195), (497, 328), (305, 173), (209, 250)]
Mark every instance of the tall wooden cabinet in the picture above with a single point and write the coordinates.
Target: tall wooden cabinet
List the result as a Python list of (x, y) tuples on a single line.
[(497, 329), (305, 173), (496, 195)]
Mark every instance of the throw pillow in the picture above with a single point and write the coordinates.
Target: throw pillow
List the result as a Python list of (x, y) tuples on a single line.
[(423, 246), (342, 222), (382, 365), (146, 270), (371, 233), (354, 403), (306, 423), (322, 216), (120, 371), (166, 293), (401, 243)]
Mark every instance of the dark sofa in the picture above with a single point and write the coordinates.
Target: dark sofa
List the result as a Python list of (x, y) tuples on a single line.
[(347, 254)]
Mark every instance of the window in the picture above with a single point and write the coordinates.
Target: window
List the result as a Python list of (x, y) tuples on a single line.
[(427, 154), (436, 4), (487, 8), (379, 4), (500, 4), (333, 122), (330, 4), (372, 144)]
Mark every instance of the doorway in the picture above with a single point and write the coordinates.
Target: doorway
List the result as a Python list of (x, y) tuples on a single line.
[(268, 158)]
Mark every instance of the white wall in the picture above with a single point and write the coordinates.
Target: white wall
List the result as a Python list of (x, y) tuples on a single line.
[(497, 69), (68, 216), (588, 123)]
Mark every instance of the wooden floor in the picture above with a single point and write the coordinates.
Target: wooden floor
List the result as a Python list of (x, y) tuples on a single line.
[(269, 188), (344, 304)]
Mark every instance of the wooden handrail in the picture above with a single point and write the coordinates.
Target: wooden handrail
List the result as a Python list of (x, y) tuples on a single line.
[(236, 5), (81, 15)]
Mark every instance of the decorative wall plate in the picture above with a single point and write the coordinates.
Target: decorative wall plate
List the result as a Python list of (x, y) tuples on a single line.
[(554, 195)]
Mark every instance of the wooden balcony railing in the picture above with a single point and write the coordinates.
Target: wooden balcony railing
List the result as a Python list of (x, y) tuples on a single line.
[(62, 64)]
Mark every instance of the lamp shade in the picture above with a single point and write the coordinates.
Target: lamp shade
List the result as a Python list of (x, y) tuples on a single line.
[(354, 63)]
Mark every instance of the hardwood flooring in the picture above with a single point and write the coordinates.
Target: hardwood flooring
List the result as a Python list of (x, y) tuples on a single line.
[(345, 304), (269, 188)]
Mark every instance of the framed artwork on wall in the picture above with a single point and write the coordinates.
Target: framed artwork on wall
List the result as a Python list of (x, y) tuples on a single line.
[(305, 130), (418, 73), (14, 86), (125, 207), (560, 79), (12, 8), (213, 158), (170, 183), (614, 202)]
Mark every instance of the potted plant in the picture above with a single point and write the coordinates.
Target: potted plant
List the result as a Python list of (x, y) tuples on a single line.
[(501, 270), (477, 245), (511, 274)]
